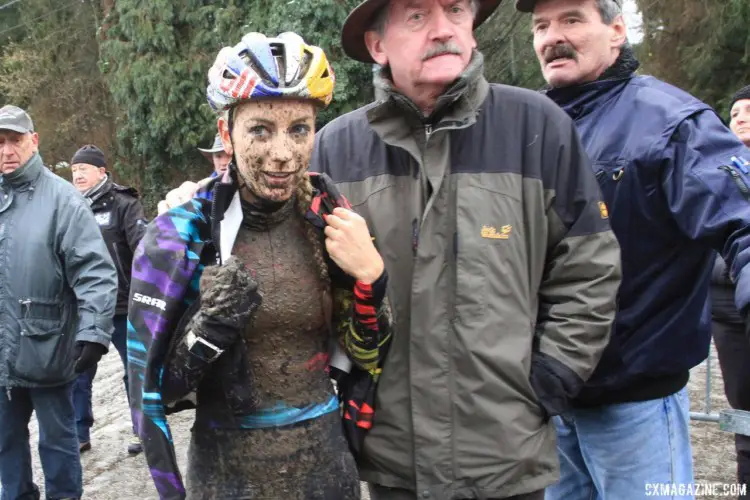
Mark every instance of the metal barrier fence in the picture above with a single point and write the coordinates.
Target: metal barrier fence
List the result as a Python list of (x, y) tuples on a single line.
[(729, 420)]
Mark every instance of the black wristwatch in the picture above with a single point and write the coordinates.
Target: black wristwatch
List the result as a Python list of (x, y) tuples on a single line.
[(202, 348)]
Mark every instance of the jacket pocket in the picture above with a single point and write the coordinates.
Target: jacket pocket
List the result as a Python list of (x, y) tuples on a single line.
[(44, 353), (489, 252)]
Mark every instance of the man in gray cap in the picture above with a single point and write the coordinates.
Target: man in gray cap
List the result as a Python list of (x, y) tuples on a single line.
[(504, 268), (58, 286), (217, 156), (676, 182)]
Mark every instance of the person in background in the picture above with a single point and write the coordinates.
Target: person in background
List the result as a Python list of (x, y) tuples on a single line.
[(58, 287), (119, 214), (727, 325), (217, 156)]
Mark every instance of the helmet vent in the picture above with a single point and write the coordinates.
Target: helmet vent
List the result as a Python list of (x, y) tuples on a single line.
[(304, 66), (277, 51), (258, 68)]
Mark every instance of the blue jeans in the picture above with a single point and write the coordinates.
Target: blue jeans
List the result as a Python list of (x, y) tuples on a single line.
[(84, 382), (613, 452), (58, 444)]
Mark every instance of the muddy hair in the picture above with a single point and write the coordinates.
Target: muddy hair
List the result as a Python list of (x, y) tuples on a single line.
[(304, 200)]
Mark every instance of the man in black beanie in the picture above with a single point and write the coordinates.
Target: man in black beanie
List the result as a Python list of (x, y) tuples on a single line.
[(122, 222)]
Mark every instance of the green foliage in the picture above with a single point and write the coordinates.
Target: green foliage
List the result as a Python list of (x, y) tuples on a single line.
[(65, 173), (49, 67), (505, 39), (11, 27), (702, 46)]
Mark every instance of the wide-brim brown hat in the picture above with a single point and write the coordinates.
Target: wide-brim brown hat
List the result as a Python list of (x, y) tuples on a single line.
[(361, 18), (528, 5)]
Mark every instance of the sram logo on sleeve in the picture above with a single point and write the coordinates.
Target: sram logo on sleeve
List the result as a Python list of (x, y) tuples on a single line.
[(149, 301)]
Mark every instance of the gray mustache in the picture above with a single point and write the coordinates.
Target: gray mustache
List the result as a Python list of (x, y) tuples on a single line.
[(559, 51), (442, 48)]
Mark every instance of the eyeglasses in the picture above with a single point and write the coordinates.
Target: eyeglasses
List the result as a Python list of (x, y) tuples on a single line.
[(6, 194)]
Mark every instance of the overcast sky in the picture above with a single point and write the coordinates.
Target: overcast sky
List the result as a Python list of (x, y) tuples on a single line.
[(633, 20)]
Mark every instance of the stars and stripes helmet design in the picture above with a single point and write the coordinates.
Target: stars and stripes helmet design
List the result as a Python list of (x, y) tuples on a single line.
[(260, 67)]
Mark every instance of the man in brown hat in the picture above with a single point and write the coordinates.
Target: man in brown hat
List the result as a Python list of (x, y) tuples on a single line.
[(486, 211), (217, 156), (504, 268)]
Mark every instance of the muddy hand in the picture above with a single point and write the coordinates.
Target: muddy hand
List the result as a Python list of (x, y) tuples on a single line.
[(350, 246), (180, 195), (229, 298), (229, 291)]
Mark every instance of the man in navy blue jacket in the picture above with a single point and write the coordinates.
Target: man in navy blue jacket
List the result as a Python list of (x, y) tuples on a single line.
[(676, 184)]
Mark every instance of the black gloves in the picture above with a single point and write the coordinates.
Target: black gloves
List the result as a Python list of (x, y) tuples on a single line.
[(229, 298), (87, 355)]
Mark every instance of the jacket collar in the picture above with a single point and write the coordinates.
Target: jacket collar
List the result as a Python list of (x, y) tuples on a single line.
[(97, 192), (226, 214), (460, 102), (28, 173), (579, 100)]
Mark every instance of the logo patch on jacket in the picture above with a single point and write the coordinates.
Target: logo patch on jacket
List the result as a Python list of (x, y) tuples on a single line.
[(493, 234), (149, 301), (103, 218), (603, 210)]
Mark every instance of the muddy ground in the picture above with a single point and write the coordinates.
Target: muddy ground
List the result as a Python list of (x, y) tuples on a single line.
[(110, 474)]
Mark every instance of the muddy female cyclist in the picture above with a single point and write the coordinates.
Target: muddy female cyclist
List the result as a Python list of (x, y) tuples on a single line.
[(237, 294)]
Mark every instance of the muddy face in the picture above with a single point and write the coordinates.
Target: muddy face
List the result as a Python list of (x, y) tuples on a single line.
[(272, 142)]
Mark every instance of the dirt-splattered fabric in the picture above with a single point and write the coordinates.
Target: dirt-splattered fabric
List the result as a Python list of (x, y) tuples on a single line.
[(285, 353), (307, 461)]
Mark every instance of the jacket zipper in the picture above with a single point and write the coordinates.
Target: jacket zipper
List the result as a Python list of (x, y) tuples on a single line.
[(739, 182), (214, 226)]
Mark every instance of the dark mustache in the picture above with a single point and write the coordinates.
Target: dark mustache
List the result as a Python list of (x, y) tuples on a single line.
[(559, 51), (442, 48)]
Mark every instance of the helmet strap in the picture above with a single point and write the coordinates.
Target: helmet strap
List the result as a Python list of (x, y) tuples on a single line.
[(233, 168)]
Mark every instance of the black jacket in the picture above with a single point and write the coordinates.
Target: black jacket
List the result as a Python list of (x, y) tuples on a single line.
[(723, 308), (122, 222)]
